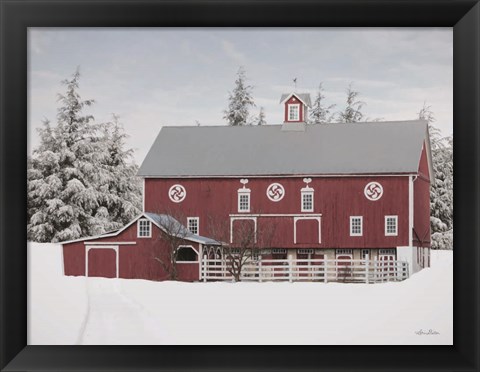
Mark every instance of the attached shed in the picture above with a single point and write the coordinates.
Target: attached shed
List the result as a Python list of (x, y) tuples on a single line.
[(135, 251)]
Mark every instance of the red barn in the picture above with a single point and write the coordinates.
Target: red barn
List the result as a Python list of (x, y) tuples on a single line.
[(325, 191)]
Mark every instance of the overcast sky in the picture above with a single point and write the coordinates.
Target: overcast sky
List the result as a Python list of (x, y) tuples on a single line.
[(156, 77)]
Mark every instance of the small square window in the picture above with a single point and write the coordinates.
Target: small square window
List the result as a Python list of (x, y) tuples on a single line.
[(144, 228), (391, 225), (243, 202), (363, 254), (307, 201), (356, 228), (193, 224)]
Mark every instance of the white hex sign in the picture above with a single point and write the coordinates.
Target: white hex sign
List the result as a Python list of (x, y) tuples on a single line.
[(275, 192), (373, 191), (177, 193)]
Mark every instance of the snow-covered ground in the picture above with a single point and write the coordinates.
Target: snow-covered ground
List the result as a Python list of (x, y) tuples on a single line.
[(73, 310)]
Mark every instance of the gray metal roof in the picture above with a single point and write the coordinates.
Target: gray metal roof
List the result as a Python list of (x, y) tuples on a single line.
[(171, 225), (305, 97), (322, 149)]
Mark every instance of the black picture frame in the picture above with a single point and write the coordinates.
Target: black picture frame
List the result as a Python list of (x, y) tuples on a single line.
[(18, 15)]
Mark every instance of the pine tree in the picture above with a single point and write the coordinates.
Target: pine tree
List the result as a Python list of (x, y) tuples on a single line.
[(69, 176), (239, 101), (320, 113), (441, 192), (121, 189), (261, 117), (352, 112)]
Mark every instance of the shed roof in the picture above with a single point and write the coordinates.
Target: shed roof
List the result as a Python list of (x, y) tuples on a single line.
[(321, 149), (171, 225), (164, 222)]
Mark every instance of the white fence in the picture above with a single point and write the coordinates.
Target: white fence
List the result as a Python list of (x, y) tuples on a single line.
[(346, 270)]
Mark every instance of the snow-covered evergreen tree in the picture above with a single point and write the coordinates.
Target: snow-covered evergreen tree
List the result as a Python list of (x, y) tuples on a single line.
[(441, 192), (240, 101), (353, 109), (320, 113), (261, 117), (70, 175), (121, 189)]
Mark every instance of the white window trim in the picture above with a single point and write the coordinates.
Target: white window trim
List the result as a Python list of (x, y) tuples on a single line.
[(396, 226), (305, 251), (386, 252), (149, 228), (303, 193), (344, 252), (193, 248), (242, 192), (198, 224), (361, 226), (366, 251), (290, 106)]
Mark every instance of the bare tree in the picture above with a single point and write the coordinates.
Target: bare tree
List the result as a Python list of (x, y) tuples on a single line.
[(174, 235), (246, 242)]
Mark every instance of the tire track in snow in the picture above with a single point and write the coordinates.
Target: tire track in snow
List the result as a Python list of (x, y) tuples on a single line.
[(114, 319), (85, 320)]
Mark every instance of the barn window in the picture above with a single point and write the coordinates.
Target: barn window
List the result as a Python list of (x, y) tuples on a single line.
[(294, 112), (307, 201), (391, 225), (342, 252), (386, 252), (193, 224), (243, 201), (305, 251), (356, 225), (186, 254), (144, 228), (363, 253)]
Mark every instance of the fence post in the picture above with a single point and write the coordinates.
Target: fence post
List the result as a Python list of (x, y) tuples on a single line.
[(375, 262), (325, 271), (366, 268), (204, 271), (290, 269), (260, 270)]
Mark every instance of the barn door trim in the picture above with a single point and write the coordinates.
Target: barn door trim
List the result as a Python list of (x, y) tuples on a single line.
[(318, 219), (233, 219), (114, 247)]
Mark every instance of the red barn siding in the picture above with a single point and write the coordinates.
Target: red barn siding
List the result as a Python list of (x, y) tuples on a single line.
[(336, 198), (102, 262), (74, 259), (188, 272), (423, 170), (307, 232), (421, 197), (243, 232)]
